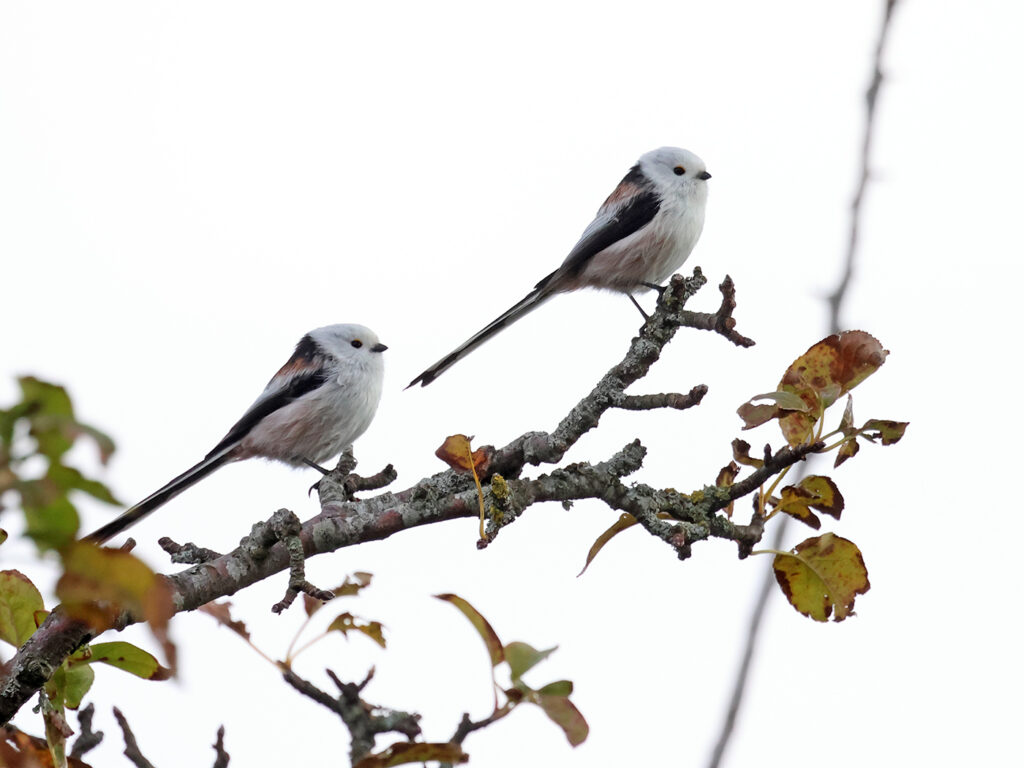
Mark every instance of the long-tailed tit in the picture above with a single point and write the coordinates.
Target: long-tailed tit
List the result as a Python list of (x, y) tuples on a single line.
[(320, 401), (641, 235)]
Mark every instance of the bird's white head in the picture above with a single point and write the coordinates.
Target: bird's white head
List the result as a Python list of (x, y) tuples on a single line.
[(676, 172), (350, 343)]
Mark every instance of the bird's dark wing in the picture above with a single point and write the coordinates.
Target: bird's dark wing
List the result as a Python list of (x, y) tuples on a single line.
[(628, 209), (305, 371)]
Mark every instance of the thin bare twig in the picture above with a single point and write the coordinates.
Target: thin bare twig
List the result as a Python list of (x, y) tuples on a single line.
[(835, 304), (87, 738), (131, 747)]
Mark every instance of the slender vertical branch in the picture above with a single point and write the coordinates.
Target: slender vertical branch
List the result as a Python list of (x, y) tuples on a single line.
[(835, 304)]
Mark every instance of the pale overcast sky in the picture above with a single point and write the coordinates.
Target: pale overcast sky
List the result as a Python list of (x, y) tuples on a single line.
[(186, 188)]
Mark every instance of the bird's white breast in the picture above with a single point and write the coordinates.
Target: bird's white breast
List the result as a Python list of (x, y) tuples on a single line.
[(322, 423)]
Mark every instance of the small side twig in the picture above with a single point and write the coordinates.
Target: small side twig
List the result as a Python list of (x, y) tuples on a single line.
[(341, 484), (467, 726), (364, 721), (223, 758), (187, 553), (287, 529), (131, 746), (674, 400), (87, 738)]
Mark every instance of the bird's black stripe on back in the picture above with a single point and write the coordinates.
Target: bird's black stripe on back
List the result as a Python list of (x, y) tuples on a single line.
[(296, 388), (634, 176), (636, 214)]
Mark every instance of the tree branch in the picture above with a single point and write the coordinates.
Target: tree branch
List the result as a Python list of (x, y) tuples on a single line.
[(364, 721), (448, 495)]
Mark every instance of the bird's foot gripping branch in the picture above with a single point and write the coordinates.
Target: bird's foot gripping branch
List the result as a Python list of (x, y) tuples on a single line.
[(820, 576)]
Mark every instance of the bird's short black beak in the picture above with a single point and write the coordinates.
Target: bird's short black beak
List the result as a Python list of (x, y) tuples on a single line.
[(703, 175), (378, 348)]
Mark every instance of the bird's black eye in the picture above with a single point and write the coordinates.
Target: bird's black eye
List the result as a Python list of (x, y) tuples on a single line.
[(679, 170), (357, 343)]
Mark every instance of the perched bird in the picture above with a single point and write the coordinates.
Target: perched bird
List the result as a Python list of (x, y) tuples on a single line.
[(320, 401), (639, 237)]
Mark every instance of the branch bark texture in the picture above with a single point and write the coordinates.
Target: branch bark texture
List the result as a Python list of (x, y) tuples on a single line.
[(675, 518)]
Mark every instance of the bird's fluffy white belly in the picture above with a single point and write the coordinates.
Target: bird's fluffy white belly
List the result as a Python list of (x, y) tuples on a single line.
[(649, 255), (317, 426)]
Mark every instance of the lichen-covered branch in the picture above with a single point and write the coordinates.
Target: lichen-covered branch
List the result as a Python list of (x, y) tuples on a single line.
[(676, 518)]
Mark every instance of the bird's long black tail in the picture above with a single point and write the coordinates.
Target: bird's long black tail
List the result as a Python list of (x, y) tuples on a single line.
[(533, 299), (157, 499)]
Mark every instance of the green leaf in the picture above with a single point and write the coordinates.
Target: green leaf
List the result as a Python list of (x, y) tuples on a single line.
[(822, 575), (52, 421), (70, 479), (522, 657), (557, 688), (98, 584), (490, 637), (77, 682), (52, 526), (19, 602), (129, 658), (564, 714)]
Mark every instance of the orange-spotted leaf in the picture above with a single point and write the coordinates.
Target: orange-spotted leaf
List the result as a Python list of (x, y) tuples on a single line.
[(741, 453), (458, 454), (222, 613), (521, 657), (847, 450), (564, 714), (756, 415), (129, 658), (822, 576), (888, 432), (625, 521), (18, 748), (813, 492), (782, 402), (351, 586), (346, 623), (482, 626), (727, 474), (846, 423), (726, 477), (823, 374), (419, 752), (19, 603), (98, 584)]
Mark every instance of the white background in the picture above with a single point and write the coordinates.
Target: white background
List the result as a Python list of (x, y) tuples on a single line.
[(186, 188)]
